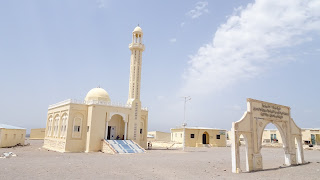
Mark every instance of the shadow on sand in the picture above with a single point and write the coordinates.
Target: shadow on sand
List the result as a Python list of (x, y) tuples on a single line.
[(161, 149), (280, 167)]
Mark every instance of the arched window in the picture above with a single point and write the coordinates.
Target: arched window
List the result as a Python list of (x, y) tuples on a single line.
[(56, 126), (77, 122), (63, 125), (49, 126)]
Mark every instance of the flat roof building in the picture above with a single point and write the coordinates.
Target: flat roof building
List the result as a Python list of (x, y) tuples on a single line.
[(11, 135), (159, 136), (200, 136), (38, 133)]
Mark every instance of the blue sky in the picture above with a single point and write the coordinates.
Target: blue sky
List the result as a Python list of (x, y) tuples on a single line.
[(217, 52)]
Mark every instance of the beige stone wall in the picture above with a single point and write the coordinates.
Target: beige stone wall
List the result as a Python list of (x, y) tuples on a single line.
[(177, 135), (55, 144), (143, 137), (38, 133), (12, 137), (76, 141), (196, 141), (97, 117), (106, 148), (160, 136)]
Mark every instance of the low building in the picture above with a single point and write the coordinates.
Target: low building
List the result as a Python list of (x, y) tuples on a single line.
[(200, 136), (38, 133), (159, 136), (11, 135), (271, 136), (309, 136)]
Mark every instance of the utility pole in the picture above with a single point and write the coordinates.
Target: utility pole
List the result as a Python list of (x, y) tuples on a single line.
[(184, 124)]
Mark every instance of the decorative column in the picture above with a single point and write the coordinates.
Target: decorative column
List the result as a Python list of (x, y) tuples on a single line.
[(125, 130), (106, 135), (235, 151)]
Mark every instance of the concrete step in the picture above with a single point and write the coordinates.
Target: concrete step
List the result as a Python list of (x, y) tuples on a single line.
[(125, 146)]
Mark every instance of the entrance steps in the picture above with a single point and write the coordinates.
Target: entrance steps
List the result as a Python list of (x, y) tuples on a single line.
[(203, 145), (121, 147)]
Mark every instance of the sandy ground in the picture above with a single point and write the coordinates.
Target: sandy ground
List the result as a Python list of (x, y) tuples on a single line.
[(33, 162)]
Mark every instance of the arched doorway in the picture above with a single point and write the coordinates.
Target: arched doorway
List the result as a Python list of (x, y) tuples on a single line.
[(205, 138), (272, 147), (115, 128), (243, 151)]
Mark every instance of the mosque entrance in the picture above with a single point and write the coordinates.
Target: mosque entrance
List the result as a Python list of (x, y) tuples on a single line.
[(115, 128), (111, 132)]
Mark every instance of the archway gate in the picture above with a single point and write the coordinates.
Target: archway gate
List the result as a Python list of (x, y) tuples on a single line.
[(251, 126)]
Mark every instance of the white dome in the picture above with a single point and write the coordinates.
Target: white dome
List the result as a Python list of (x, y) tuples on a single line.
[(97, 94), (138, 29)]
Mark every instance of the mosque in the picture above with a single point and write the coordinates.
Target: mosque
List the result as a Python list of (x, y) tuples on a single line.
[(83, 126)]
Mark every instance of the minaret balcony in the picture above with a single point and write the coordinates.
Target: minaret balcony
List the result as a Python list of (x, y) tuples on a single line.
[(136, 46)]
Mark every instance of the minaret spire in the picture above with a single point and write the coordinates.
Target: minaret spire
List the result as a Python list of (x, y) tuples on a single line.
[(136, 48)]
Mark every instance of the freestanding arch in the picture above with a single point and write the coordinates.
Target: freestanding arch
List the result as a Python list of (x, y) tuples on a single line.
[(251, 126)]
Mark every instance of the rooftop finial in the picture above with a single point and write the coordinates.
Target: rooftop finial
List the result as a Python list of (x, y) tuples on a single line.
[(138, 25)]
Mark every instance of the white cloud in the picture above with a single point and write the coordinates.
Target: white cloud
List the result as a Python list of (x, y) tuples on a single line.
[(101, 3), (251, 41), (182, 24), (199, 9), (173, 40)]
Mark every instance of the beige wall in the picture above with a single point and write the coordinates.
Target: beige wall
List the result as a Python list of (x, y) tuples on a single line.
[(76, 141), (160, 136), (177, 136), (38, 133), (12, 137)]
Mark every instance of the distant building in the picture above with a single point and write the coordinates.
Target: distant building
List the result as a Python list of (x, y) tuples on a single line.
[(37, 133), (311, 136), (11, 135), (200, 136), (159, 136), (271, 136), (86, 126)]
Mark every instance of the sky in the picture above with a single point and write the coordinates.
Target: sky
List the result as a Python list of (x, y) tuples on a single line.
[(217, 52)]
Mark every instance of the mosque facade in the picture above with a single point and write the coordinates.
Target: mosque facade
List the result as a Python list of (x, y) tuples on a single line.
[(81, 126)]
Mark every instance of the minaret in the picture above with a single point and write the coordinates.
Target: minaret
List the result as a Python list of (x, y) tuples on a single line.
[(136, 48)]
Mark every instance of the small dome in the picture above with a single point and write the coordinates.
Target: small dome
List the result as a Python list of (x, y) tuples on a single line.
[(98, 94), (138, 29)]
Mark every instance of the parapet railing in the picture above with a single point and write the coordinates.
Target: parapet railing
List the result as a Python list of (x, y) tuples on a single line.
[(75, 101)]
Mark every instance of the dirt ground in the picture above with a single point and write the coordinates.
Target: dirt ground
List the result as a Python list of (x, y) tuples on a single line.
[(33, 162)]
